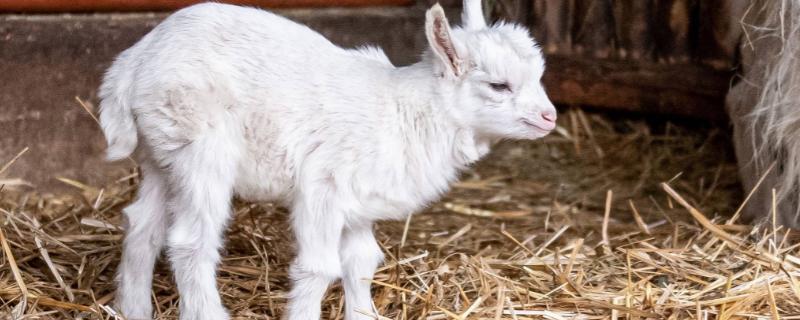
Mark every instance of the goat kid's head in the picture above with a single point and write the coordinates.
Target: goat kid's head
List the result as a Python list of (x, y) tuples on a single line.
[(491, 75)]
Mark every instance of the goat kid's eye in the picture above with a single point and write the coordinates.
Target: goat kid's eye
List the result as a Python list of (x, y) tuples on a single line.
[(500, 86)]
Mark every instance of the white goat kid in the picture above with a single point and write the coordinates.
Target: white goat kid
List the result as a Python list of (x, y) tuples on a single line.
[(224, 100)]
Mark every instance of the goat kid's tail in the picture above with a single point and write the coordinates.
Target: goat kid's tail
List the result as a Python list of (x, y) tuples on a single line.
[(116, 117)]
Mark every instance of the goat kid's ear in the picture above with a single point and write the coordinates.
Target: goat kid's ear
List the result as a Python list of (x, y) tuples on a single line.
[(472, 16), (437, 29)]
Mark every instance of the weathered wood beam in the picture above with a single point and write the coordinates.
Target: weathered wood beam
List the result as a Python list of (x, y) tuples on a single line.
[(679, 89)]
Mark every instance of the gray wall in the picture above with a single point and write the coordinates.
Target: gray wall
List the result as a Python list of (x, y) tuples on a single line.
[(46, 61)]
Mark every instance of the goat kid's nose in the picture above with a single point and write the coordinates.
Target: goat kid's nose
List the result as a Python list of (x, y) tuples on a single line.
[(549, 116)]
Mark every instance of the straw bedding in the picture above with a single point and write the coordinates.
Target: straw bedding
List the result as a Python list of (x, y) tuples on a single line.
[(623, 218)]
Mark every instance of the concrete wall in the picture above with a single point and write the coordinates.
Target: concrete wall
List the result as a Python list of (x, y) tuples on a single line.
[(46, 61)]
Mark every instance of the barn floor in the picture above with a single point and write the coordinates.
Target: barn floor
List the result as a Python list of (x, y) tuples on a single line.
[(521, 237)]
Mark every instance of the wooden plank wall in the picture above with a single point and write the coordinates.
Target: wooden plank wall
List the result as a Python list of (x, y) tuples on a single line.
[(664, 56)]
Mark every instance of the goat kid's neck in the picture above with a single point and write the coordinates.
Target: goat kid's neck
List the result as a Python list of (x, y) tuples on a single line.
[(429, 121)]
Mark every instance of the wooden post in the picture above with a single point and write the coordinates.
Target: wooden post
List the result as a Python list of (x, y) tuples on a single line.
[(633, 28), (719, 32), (672, 19), (552, 23), (594, 28)]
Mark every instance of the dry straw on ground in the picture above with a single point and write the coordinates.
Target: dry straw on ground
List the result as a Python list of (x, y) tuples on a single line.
[(623, 219)]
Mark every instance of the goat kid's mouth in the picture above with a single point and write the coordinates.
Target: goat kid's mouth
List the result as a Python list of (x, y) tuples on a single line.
[(542, 126)]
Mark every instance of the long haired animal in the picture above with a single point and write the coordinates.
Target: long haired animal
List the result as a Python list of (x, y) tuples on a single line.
[(220, 100), (765, 109)]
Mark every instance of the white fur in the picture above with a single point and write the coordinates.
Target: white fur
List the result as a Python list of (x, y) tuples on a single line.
[(764, 110), (224, 100)]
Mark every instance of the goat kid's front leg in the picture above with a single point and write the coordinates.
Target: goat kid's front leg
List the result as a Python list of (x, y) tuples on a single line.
[(318, 230), (360, 255)]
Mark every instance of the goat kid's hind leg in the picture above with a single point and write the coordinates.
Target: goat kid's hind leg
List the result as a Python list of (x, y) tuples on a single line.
[(318, 229), (145, 227), (203, 176), (360, 255)]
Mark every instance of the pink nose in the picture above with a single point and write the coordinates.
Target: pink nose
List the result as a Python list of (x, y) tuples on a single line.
[(549, 116)]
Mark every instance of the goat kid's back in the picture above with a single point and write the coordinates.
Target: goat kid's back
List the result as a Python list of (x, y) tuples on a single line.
[(221, 67)]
